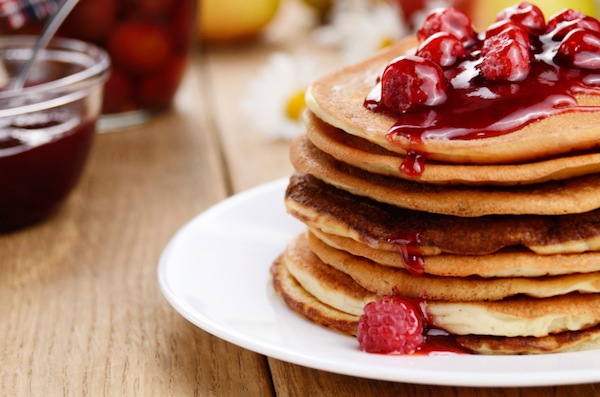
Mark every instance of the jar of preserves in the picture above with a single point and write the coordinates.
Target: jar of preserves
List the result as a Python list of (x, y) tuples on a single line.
[(148, 41)]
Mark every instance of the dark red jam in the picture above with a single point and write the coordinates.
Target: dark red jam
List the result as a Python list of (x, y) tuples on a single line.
[(479, 107), (409, 246), (148, 41), (41, 158), (440, 343)]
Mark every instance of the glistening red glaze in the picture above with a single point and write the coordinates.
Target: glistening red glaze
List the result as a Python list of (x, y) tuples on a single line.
[(478, 107), (408, 244), (399, 325)]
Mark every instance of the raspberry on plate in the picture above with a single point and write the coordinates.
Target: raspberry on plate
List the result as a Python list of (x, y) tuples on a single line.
[(391, 325)]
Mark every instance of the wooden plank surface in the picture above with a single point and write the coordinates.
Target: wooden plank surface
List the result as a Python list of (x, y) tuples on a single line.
[(81, 310), (80, 306)]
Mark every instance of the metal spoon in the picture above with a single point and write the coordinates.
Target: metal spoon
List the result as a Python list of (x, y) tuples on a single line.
[(46, 35)]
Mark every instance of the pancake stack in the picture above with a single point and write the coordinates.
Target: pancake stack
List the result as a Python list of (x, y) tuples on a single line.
[(497, 237)]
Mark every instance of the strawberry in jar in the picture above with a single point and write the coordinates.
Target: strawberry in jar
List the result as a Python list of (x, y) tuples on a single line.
[(148, 41)]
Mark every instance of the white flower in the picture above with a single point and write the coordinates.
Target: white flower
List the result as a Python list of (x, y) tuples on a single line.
[(276, 95), (361, 27)]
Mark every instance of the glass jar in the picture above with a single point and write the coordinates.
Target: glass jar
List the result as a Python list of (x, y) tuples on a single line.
[(149, 42), (46, 128)]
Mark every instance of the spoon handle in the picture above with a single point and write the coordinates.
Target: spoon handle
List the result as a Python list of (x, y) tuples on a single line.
[(48, 32)]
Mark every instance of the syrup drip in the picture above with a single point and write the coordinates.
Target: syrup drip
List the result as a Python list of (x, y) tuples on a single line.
[(437, 342), (477, 109), (409, 246)]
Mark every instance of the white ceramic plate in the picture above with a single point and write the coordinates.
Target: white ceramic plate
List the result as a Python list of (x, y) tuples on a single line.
[(215, 273)]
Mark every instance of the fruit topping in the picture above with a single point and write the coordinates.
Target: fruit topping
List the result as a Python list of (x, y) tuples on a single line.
[(534, 76), (391, 325), (505, 56), (449, 20), (442, 48), (560, 24), (508, 35), (498, 27), (140, 46), (581, 49), (562, 28), (410, 82), (525, 14)]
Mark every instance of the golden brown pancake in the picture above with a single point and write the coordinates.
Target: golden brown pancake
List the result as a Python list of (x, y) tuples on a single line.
[(569, 341), (506, 263), (299, 300), (377, 224), (386, 280), (360, 153), (572, 196), (546, 325), (337, 99)]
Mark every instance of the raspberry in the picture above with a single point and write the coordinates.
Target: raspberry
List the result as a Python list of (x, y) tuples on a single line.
[(391, 325), (508, 35), (498, 27), (505, 56), (409, 82), (525, 14), (441, 48), (565, 15), (567, 20), (449, 20), (580, 48)]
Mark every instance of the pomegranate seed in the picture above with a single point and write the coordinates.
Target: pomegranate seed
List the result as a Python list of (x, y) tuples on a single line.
[(526, 15), (506, 56), (580, 48), (410, 81), (391, 325), (441, 48), (449, 20)]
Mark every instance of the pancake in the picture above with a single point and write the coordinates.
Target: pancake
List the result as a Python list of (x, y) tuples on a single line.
[(360, 153), (302, 302), (507, 263), (576, 195), (337, 99), (386, 280), (569, 341), (314, 310), (377, 224), (545, 324)]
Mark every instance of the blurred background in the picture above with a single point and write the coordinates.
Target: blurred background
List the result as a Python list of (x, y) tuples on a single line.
[(150, 43)]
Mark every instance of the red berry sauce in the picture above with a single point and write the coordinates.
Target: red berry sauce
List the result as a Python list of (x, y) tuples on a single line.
[(409, 245), (41, 158), (399, 325), (508, 90)]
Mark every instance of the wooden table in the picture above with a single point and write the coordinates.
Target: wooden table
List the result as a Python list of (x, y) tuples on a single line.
[(80, 307)]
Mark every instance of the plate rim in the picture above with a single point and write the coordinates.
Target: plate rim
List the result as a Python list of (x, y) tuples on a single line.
[(559, 376)]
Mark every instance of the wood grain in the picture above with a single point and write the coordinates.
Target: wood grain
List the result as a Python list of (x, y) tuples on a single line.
[(82, 313), (80, 306)]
